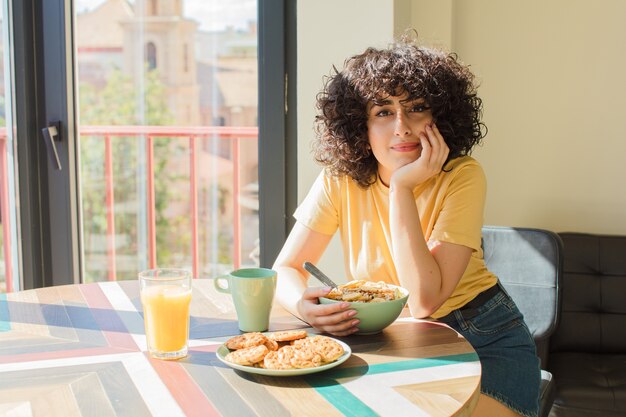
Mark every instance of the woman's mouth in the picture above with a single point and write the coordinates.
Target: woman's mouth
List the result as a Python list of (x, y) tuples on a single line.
[(406, 147)]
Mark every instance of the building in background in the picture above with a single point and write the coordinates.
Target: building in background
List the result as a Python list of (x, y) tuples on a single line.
[(211, 77)]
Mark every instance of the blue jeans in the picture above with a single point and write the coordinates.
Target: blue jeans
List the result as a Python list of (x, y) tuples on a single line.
[(511, 371)]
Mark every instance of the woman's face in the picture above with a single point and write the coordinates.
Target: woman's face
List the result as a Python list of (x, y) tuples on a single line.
[(394, 125)]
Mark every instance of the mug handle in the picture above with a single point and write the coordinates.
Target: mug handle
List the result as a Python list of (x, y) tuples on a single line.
[(218, 282)]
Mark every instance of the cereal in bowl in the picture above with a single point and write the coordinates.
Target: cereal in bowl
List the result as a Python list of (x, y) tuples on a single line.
[(365, 292)]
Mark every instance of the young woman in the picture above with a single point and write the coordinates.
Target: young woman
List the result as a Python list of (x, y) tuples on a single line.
[(395, 130)]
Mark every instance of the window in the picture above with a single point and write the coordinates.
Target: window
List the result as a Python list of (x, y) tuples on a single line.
[(136, 177), (186, 57), (151, 56)]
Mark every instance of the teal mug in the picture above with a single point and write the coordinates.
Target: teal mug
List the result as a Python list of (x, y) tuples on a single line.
[(253, 291)]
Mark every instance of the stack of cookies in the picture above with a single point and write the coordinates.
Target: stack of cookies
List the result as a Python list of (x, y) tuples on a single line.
[(292, 349)]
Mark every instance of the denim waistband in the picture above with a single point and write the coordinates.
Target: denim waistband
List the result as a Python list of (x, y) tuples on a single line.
[(470, 309)]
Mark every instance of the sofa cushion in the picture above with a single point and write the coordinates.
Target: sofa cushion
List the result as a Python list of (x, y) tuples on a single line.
[(593, 315), (588, 349), (564, 411), (588, 381)]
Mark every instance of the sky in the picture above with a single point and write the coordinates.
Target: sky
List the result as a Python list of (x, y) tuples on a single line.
[(212, 15)]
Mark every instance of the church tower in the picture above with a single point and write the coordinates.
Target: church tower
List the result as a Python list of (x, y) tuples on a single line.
[(159, 38)]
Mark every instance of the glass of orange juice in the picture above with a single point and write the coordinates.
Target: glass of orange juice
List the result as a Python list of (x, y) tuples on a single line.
[(165, 296)]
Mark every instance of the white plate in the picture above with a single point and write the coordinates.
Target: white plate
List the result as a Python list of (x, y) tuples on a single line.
[(222, 351)]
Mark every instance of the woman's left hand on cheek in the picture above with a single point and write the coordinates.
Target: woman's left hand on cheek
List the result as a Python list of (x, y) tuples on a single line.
[(434, 154), (438, 149)]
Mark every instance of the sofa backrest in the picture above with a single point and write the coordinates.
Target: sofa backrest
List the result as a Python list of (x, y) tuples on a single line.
[(593, 315), (528, 263)]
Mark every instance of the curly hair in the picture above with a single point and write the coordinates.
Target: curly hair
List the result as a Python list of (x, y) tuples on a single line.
[(446, 85)]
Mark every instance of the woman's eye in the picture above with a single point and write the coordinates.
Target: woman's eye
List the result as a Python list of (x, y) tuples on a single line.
[(419, 108), (383, 113)]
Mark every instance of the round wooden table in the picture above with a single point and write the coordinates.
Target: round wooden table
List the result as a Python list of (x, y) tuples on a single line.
[(80, 350)]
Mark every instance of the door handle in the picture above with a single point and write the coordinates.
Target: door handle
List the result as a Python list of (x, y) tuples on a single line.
[(51, 134)]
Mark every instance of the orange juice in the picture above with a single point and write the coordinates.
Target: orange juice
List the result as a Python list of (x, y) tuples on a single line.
[(166, 318)]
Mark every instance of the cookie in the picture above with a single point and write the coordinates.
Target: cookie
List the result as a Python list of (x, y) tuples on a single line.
[(247, 356), (245, 340), (288, 335), (305, 357), (327, 348), (271, 344), (279, 359)]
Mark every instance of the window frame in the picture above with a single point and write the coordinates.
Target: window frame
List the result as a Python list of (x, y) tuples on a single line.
[(48, 237), (277, 124)]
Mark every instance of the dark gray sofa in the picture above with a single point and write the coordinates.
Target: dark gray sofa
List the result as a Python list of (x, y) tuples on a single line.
[(588, 348)]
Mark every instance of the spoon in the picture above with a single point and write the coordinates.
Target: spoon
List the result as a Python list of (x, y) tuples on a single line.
[(319, 274)]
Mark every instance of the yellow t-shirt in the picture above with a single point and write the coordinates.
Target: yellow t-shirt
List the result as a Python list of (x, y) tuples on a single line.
[(450, 206)]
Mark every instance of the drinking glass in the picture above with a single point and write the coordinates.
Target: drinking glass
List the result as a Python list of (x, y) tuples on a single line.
[(165, 296)]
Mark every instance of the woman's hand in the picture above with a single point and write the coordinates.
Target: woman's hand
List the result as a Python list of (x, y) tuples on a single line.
[(434, 154), (336, 319)]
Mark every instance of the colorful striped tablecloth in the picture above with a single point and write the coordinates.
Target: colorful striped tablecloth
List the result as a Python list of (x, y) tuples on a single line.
[(79, 350)]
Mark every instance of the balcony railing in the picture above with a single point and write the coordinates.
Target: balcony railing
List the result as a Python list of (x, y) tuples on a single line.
[(150, 133)]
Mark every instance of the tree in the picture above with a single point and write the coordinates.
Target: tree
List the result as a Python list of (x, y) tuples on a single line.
[(120, 102)]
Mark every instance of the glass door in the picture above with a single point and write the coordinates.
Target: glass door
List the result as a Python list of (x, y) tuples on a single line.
[(167, 135), (9, 272)]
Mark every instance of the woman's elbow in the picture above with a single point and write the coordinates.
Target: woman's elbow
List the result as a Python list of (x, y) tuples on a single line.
[(419, 311)]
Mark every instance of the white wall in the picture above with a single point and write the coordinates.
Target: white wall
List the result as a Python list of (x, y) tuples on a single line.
[(330, 31), (552, 81)]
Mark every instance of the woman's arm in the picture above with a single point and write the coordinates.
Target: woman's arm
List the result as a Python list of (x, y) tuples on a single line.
[(304, 244), (429, 273)]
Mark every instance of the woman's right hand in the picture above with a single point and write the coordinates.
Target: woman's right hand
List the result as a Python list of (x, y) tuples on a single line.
[(336, 318), (434, 154)]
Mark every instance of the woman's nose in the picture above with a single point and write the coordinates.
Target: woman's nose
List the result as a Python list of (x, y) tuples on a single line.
[(401, 127)]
